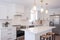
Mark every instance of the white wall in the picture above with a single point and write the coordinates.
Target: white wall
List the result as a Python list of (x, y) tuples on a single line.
[(19, 8), (27, 12)]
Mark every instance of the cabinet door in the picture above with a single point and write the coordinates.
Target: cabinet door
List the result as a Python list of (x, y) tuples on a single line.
[(4, 34), (8, 33), (12, 33)]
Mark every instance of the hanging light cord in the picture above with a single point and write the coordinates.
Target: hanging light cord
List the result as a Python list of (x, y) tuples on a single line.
[(41, 2), (46, 5), (34, 2)]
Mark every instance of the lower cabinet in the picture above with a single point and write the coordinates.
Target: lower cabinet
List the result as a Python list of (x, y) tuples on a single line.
[(8, 33)]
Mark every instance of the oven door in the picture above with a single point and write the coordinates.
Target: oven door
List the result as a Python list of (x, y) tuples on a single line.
[(20, 33)]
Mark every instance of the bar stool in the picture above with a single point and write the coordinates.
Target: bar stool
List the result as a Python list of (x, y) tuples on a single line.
[(52, 34), (45, 37)]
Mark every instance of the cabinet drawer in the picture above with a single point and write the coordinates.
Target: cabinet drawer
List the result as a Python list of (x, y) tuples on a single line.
[(11, 33), (3, 38), (8, 33), (12, 36), (10, 39), (13, 28)]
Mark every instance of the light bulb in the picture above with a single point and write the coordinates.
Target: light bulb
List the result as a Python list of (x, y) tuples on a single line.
[(42, 10), (34, 7), (46, 11)]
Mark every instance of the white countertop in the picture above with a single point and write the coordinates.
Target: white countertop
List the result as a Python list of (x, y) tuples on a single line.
[(38, 29)]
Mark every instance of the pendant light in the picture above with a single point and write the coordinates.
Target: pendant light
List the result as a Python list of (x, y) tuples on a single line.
[(34, 5), (41, 6), (34, 12), (46, 11), (35, 9)]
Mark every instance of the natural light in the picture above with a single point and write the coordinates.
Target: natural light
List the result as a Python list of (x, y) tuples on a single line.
[(33, 14)]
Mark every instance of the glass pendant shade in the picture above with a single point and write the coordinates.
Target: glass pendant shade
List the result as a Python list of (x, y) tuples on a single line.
[(42, 10), (34, 7), (46, 11)]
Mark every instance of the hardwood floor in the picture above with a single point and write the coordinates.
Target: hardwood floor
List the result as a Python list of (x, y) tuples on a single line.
[(57, 37)]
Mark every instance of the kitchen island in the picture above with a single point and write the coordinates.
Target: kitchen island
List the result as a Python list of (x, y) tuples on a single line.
[(35, 32)]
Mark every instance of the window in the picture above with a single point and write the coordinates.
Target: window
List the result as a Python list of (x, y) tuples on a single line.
[(33, 16)]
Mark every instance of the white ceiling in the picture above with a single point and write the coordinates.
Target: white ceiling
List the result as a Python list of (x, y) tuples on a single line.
[(29, 3)]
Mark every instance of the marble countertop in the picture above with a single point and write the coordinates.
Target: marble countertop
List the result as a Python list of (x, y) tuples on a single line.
[(38, 29)]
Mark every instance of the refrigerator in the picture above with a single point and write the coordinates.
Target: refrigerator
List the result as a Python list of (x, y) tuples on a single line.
[(55, 21)]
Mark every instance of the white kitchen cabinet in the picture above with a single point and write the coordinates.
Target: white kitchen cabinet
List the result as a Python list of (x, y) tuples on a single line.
[(8, 33)]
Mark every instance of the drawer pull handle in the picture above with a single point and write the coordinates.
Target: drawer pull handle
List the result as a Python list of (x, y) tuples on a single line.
[(9, 38), (9, 33)]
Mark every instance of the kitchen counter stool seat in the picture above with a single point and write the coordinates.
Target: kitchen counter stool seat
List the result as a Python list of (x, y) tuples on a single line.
[(45, 37), (53, 35)]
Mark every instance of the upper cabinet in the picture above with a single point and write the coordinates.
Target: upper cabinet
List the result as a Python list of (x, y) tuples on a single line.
[(6, 9), (10, 9)]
